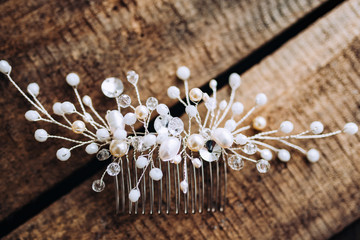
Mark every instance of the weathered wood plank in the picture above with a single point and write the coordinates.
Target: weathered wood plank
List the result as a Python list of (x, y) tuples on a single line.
[(44, 40), (314, 76)]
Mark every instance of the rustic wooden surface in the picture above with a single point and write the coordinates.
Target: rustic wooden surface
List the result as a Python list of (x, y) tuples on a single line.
[(312, 76)]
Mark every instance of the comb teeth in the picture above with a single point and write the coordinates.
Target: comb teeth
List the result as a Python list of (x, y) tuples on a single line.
[(207, 189)]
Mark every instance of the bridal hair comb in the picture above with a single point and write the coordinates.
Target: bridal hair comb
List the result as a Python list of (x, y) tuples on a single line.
[(193, 158)]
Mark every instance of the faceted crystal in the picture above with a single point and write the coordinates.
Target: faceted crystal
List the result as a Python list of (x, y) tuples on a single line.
[(162, 121), (176, 126), (206, 133), (112, 87), (250, 148), (98, 185), (263, 166), (132, 77), (138, 144), (103, 154), (151, 103), (124, 100), (211, 152), (113, 169), (235, 162)]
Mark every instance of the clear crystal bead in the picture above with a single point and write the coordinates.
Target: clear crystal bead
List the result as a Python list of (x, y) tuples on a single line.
[(113, 169), (162, 121), (235, 162), (250, 148), (124, 100), (151, 103), (176, 126), (206, 133), (211, 152), (112, 87), (263, 166), (132, 77), (103, 154), (138, 144), (98, 185)]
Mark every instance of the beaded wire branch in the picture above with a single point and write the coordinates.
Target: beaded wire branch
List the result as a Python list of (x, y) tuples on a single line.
[(210, 140)]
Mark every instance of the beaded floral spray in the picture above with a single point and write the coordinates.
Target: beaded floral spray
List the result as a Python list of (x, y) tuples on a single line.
[(213, 141)]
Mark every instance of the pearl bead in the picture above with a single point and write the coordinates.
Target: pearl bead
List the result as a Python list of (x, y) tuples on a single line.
[(173, 92), (78, 126), (63, 154), (234, 80), (237, 108), (162, 109), (259, 123), (195, 142), (141, 162), (141, 112), (316, 127), (149, 140), (222, 105), (92, 148), (184, 186), (266, 154), (134, 195), (156, 174), (5, 67), (67, 107), (196, 94), (41, 135), (73, 79), (223, 137), (241, 139), (196, 162), (169, 148), (33, 89), (176, 160), (191, 111), (350, 128), (260, 99), (213, 84), (115, 120), (284, 155), (57, 109), (87, 100), (313, 155), (130, 119), (286, 127), (102, 134), (120, 134), (183, 73), (32, 115), (118, 148), (230, 125)]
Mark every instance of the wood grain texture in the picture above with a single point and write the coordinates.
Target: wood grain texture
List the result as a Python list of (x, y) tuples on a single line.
[(313, 77), (44, 40)]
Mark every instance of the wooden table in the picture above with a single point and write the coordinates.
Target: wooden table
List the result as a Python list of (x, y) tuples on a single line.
[(304, 54)]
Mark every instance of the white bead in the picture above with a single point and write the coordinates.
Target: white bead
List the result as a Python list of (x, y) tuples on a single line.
[(316, 127), (213, 84), (88, 118), (241, 139), (102, 134), (223, 137), (92, 148), (195, 142), (266, 154), (230, 125), (130, 119), (5, 67), (183, 73), (176, 160), (195, 94), (173, 92), (134, 195), (234, 80), (78, 126), (184, 186), (115, 120), (32, 115), (169, 148), (196, 162), (284, 155), (350, 128), (259, 123), (120, 134), (156, 174), (57, 109), (149, 140), (34, 89), (286, 127), (260, 99), (141, 112), (313, 155), (191, 111), (87, 100), (237, 108), (162, 109), (63, 154), (73, 79), (41, 135), (205, 97), (67, 107), (141, 162), (222, 105)]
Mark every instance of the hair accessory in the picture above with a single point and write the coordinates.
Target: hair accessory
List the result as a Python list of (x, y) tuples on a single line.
[(193, 158)]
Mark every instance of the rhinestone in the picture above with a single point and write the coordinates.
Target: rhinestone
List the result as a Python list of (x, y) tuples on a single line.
[(132, 77), (211, 152), (263, 166), (98, 185), (162, 121), (124, 100), (151, 103), (176, 126), (112, 87), (103, 154), (235, 162), (138, 144), (250, 148), (113, 169)]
